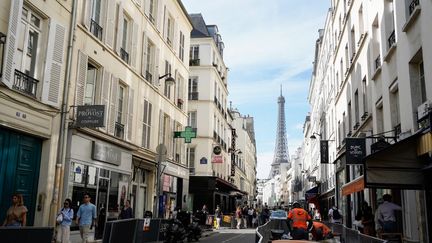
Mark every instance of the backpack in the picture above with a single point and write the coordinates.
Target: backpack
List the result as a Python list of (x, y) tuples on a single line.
[(336, 214)]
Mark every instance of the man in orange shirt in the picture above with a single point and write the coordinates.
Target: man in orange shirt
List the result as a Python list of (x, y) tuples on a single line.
[(320, 231), (298, 220)]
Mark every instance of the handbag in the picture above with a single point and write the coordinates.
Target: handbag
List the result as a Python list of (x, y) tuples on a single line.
[(59, 218)]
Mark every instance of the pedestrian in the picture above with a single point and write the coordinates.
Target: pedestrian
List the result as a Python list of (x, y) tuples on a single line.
[(386, 214), (126, 212), (245, 215), (254, 218), (321, 231), (16, 215), (299, 221), (335, 215), (64, 219), (367, 220), (86, 217), (238, 215), (218, 215), (250, 216), (317, 215)]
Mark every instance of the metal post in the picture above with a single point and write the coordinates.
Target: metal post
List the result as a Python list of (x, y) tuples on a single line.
[(161, 155)]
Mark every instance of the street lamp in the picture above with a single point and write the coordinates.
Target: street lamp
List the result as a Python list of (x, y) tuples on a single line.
[(313, 135), (168, 79)]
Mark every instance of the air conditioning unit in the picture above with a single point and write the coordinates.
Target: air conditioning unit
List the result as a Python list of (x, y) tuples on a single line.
[(423, 109)]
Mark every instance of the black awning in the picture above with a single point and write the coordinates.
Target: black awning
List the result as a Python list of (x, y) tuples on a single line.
[(396, 166), (311, 193)]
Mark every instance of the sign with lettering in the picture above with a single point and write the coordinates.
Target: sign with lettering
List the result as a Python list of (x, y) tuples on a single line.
[(90, 116), (217, 159), (106, 153), (203, 161), (355, 150), (324, 152)]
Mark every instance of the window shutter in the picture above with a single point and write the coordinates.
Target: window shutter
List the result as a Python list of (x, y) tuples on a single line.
[(87, 13), (81, 78), (134, 48), (175, 37), (161, 126), (156, 67), (119, 27), (11, 42), (144, 56), (109, 29), (159, 17), (105, 95), (165, 23), (147, 7), (113, 104), (53, 65), (130, 114)]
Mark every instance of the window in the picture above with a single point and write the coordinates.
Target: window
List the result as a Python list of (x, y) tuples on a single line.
[(181, 46), (152, 10), (90, 86), (147, 117), (422, 82), (194, 56), (365, 97), (149, 61), (356, 108), (167, 88), (119, 126), (193, 88), (192, 119), (170, 30), (191, 157), (124, 54), (27, 55), (380, 118), (417, 80), (95, 24), (394, 108)]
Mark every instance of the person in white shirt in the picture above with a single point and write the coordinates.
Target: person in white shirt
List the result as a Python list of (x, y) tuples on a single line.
[(335, 215), (316, 215), (386, 214)]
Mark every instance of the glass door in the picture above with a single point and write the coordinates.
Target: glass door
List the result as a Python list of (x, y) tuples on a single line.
[(102, 195)]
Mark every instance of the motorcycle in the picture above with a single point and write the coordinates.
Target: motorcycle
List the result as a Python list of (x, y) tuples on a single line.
[(175, 231), (194, 230)]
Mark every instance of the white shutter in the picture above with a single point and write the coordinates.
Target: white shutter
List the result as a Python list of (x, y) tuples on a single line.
[(88, 4), (144, 55), (109, 28), (11, 42), (81, 78), (113, 104), (134, 48), (156, 67), (147, 7), (53, 66), (130, 114), (159, 17), (161, 126), (175, 38), (106, 82), (119, 27)]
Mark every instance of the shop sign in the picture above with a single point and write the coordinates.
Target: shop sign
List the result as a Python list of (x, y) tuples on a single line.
[(217, 159), (175, 170), (217, 150), (90, 116), (203, 161), (106, 153), (324, 152), (355, 150)]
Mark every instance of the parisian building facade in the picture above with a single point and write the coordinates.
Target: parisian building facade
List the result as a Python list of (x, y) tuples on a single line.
[(372, 81)]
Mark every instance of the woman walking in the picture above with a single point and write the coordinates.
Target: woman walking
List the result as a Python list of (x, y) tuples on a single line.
[(238, 216), (64, 218)]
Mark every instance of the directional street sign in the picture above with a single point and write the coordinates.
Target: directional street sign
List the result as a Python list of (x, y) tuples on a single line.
[(187, 134)]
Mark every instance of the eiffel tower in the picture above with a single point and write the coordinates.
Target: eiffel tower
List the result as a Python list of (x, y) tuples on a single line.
[(281, 155)]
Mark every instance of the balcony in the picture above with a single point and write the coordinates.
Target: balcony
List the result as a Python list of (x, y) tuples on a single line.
[(356, 126), (152, 19), (215, 135), (2, 46), (148, 76), (392, 39), (397, 130), (119, 130), (124, 55), (364, 116), (378, 62), (180, 103), (193, 95), (96, 29), (194, 62), (25, 84), (413, 5)]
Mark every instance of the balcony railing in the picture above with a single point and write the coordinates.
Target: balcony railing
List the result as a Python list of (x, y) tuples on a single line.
[(148, 76), (124, 55), (413, 5), (392, 39), (193, 96), (151, 18), (96, 29), (194, 62), (25, 84), (378, 62), (2, 46), (119, 130), (397, 130), (214, 135)]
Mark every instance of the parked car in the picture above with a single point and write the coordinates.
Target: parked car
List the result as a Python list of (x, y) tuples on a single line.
[(278, 214)]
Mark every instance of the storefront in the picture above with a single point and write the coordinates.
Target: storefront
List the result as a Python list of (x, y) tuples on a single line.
[(141, 194), (101, 169), (175, 188)]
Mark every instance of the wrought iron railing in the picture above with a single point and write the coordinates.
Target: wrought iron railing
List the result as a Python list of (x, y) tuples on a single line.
[(25, 84), (2, 46), (124, 55), (96, 29), (193, 96), (413, 5), (397, 130), (119, 130), (378, 62), (392, 39), (194, 62)]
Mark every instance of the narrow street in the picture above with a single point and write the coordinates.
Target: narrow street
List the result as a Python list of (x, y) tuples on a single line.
[(231, 236)]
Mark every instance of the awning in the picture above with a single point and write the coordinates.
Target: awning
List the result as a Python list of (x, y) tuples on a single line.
[(424, 144), (396, 166), (311, 193), (353, 186)]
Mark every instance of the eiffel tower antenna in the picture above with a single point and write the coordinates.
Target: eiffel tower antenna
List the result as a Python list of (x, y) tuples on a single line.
[(281, 154)]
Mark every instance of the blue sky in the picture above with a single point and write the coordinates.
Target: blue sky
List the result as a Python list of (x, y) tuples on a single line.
[(267, 43)]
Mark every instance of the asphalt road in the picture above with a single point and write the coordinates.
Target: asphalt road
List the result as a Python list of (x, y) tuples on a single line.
[(230, 236)]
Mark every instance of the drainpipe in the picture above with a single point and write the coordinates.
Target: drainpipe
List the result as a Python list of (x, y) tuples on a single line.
[(62, 141)]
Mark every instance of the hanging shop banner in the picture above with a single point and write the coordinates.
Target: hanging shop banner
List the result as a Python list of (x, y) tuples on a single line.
[(217, 159), (355, 150), (324, 152), (90, 116)]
